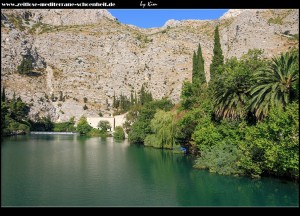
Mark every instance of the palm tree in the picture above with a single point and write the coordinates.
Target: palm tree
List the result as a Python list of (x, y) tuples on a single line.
[(230, 93), (230, 104), (273, 84)]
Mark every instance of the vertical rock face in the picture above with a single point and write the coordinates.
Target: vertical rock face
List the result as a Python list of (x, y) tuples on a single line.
[(88, 54), (269, 30)]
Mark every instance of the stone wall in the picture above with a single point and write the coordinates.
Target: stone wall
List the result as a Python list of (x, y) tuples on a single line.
[(115, 121)]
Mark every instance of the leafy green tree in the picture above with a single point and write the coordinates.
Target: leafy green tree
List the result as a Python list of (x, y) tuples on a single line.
[(138, 132), (14, 116), (274, 84), (119, 133), (254, 59), (231, 88), (231, 94), (21, 110), (18, 110), (131, 117), (272, 146), (65, 126), (164, 128), (83, 126), (141, 126), (145, 96), (48, 124), (196, 103), (206, 133), (186, 125), (218, 144), (104, 126), (42, 124), (4, 113), (218, 58), (187, 96)]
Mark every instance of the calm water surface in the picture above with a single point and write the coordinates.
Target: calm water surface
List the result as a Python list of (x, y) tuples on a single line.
[(70, 170)]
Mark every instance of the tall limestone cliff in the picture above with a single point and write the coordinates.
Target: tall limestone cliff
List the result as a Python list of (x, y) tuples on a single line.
[(84, 57)]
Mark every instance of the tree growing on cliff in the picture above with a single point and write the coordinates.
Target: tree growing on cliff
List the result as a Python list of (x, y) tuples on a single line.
[(3, 96), (26, 65)]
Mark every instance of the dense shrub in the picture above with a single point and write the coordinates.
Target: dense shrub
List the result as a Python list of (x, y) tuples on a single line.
[(119, 133), (83, 126)]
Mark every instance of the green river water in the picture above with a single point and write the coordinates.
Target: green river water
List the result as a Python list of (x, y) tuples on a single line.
[(71, 170)]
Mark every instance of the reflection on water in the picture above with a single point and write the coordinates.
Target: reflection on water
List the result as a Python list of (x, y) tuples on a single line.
[(71, 170)]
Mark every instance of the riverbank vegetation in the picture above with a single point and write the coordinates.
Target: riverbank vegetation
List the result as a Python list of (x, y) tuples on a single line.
[(14, 115), (244, 121), (119, 133)]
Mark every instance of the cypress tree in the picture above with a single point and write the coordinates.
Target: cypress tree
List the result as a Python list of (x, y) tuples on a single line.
[(114, 100), (149, 97), (195, 66), (142, 95), (131, 99), (60, 96), (117, 105), (121, 101), (200, 66), (14, 97), (14, 103), (218, 58), (136, 100), (52, 97), (198, 76), (3, 95)]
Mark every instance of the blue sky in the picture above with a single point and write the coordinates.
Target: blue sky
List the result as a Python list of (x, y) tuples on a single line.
[(156, 18)]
